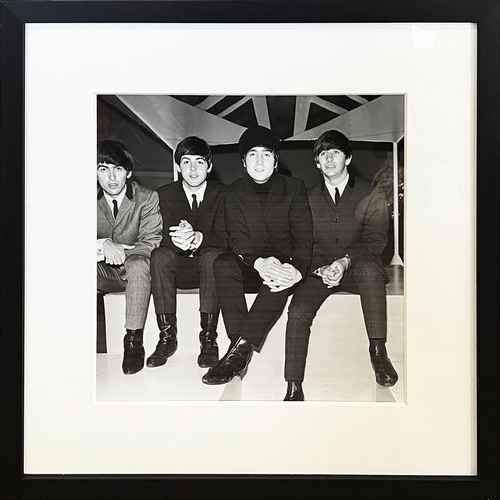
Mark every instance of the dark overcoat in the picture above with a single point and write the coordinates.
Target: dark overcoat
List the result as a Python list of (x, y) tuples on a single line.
[(283, 224)]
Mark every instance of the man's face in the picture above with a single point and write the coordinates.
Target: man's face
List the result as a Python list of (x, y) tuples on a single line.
[(112, 178), (194, 170), (333, 164), (259, 162)]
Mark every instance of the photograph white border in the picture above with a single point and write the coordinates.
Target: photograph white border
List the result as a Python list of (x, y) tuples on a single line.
[(67, 66)]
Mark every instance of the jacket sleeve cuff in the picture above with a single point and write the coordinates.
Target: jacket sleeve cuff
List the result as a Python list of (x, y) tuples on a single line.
[(301, 265)]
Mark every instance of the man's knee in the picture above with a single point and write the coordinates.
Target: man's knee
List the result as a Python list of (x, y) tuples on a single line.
[(208, 256), (367, 269), (136, 267), (163, 257), (223, 262)]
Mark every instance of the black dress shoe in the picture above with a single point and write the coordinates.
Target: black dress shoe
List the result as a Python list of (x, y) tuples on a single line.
[(234, 363), (167, 345), (209, 350), (385, 374), (133, 352), (294, 392)]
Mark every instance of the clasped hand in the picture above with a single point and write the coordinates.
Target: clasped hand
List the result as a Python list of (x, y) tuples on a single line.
[(114, 253), (332, 275), (183, 236), (275, 275)]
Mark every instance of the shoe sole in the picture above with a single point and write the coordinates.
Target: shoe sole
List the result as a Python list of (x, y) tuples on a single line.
[(132, 373), (387, 385), (151, 365), (161, 364)]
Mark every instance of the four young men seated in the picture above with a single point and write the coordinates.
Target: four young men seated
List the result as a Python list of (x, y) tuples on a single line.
[(265, 234)]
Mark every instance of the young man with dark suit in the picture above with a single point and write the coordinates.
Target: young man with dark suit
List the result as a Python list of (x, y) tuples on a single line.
[(193, 236), (129, 227), (269, 224), (350, 232)]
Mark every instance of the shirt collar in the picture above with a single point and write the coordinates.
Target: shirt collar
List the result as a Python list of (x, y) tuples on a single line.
[(341, 187), (200, 194), (118, 199)]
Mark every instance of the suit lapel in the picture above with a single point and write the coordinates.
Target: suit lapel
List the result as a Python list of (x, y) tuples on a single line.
[(347, 192), (327, 198), (207, 200), (125, 207), (180, 203), (343, 199), (106, 210), (127, 203)]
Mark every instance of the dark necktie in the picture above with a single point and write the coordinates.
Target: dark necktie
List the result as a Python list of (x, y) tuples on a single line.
[(337, 196), (115, 208), (194, 207)]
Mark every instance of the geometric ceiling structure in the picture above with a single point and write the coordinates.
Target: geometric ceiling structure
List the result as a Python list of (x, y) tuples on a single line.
[(221, 119), (173, 120), (380, 120), (287, 116)]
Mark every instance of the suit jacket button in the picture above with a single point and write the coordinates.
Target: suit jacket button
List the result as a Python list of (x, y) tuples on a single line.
[(335, 220), (336, 240)]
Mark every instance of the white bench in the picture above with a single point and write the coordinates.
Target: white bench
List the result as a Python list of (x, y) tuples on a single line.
[(338, 351), (188, 316)]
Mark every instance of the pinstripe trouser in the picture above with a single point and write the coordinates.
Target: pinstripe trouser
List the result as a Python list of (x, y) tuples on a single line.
[(134, 279)]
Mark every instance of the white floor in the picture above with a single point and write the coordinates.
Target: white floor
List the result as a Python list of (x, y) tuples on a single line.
[(338, 364)]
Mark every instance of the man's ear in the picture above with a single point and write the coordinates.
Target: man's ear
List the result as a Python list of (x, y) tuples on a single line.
[(129, 174), (209, 169), (348, 160)]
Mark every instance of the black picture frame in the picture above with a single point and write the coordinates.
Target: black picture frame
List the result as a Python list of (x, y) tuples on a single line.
[(486, 485)]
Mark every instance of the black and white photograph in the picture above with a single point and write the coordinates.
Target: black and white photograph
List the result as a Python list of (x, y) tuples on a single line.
[(250, 248), (283, 218)]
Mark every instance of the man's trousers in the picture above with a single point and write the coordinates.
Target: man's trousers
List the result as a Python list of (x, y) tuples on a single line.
[(366, 278), (170, 270), (134, 279), (233, 279)]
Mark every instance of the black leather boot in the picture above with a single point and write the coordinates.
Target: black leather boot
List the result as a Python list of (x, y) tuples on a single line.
[(232, 340), (133, 352), (294, 392), (234, 363), (385, 374), (167, 345), (209, 350)]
